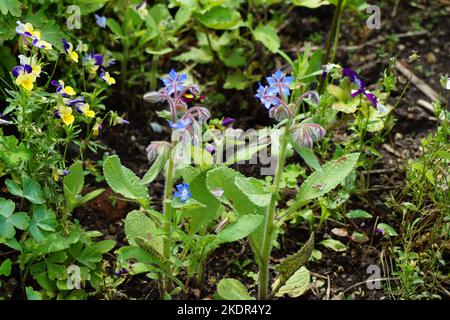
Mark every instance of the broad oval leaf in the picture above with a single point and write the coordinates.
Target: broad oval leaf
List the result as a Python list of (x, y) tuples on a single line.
[(122, 180), (327, 178), (232, 289)]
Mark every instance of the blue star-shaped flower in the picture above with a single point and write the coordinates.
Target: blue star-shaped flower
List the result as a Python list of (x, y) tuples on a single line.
[(266, 97), (181, 124), (280, 80), (183, 193), (174, 80)]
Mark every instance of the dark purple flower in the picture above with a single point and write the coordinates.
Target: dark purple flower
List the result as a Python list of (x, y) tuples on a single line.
[(227, 121), (353, 76)]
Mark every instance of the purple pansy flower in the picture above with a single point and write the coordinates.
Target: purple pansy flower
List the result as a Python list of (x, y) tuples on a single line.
[(100, 21), (181, 124), (183, 193), (353, 76), (227, 121), (175, 82), (22, 69), (280, 82), (266, 97), (93, 61)]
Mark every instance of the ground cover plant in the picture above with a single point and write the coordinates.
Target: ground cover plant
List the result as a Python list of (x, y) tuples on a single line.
[(224, 150)]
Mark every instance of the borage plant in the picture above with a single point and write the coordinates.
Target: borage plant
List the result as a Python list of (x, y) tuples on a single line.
[(162, 244)]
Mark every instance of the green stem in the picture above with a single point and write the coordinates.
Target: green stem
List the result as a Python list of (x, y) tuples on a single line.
[(331, 37), (269, 220), (153, 75), (168, 221), (123, 69)]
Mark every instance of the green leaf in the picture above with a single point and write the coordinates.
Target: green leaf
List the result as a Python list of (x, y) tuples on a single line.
[(312, 4), (33, 295), (138, 224), (11, 6), (335, 245), (388, 229), (5, 268), (155, 168), (244, 154), (296, 285), (220, 18), (159, 52), (14, 188), (268, 36), (232, 289), (7, 207), (235, 80), (254, 190), (327, 178), (122, 180), (115, 27), (32, 191), (307, 154), (239, 229), (288, 266), (201, 217), (199, 55), (43, 221), (73, 182), (10, 221), (358, 214)]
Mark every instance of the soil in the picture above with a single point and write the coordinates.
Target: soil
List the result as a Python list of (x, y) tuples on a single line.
[(336, 272)]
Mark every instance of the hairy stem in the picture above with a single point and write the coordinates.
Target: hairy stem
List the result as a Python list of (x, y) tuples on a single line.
[(263, 281), (168, 219)]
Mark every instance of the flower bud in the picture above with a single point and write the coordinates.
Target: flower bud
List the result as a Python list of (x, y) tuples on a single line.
[(157, 148), (152, 96)]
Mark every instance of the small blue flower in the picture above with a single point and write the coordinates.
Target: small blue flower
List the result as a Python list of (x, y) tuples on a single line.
[(182, 192), (174, 80), (280, 81), (181, 124), (266, 97), (100, 21)]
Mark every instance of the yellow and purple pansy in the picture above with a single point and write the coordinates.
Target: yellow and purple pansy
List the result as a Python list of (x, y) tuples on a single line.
[(68, 48), (24, 76), (62, 89), (105, 76), (93, 61)]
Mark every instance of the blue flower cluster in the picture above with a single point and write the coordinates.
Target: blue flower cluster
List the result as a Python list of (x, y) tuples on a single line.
[(277, 88)]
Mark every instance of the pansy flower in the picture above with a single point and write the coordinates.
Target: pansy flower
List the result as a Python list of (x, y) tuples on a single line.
[(24, 76), (183, 193), (108, 60), (73, 102), (370, 96), (92, 62), (68, 48), (104, 75), (27, 30), (65, 114), (329, 67), (62, 89), (353, 76), (141, 9), (266, 97), (57, 173), (97, 128), (174, 82), (85, 109), (31, 61), (279, 83), (227, 121), (181, 124), (100, 21)]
